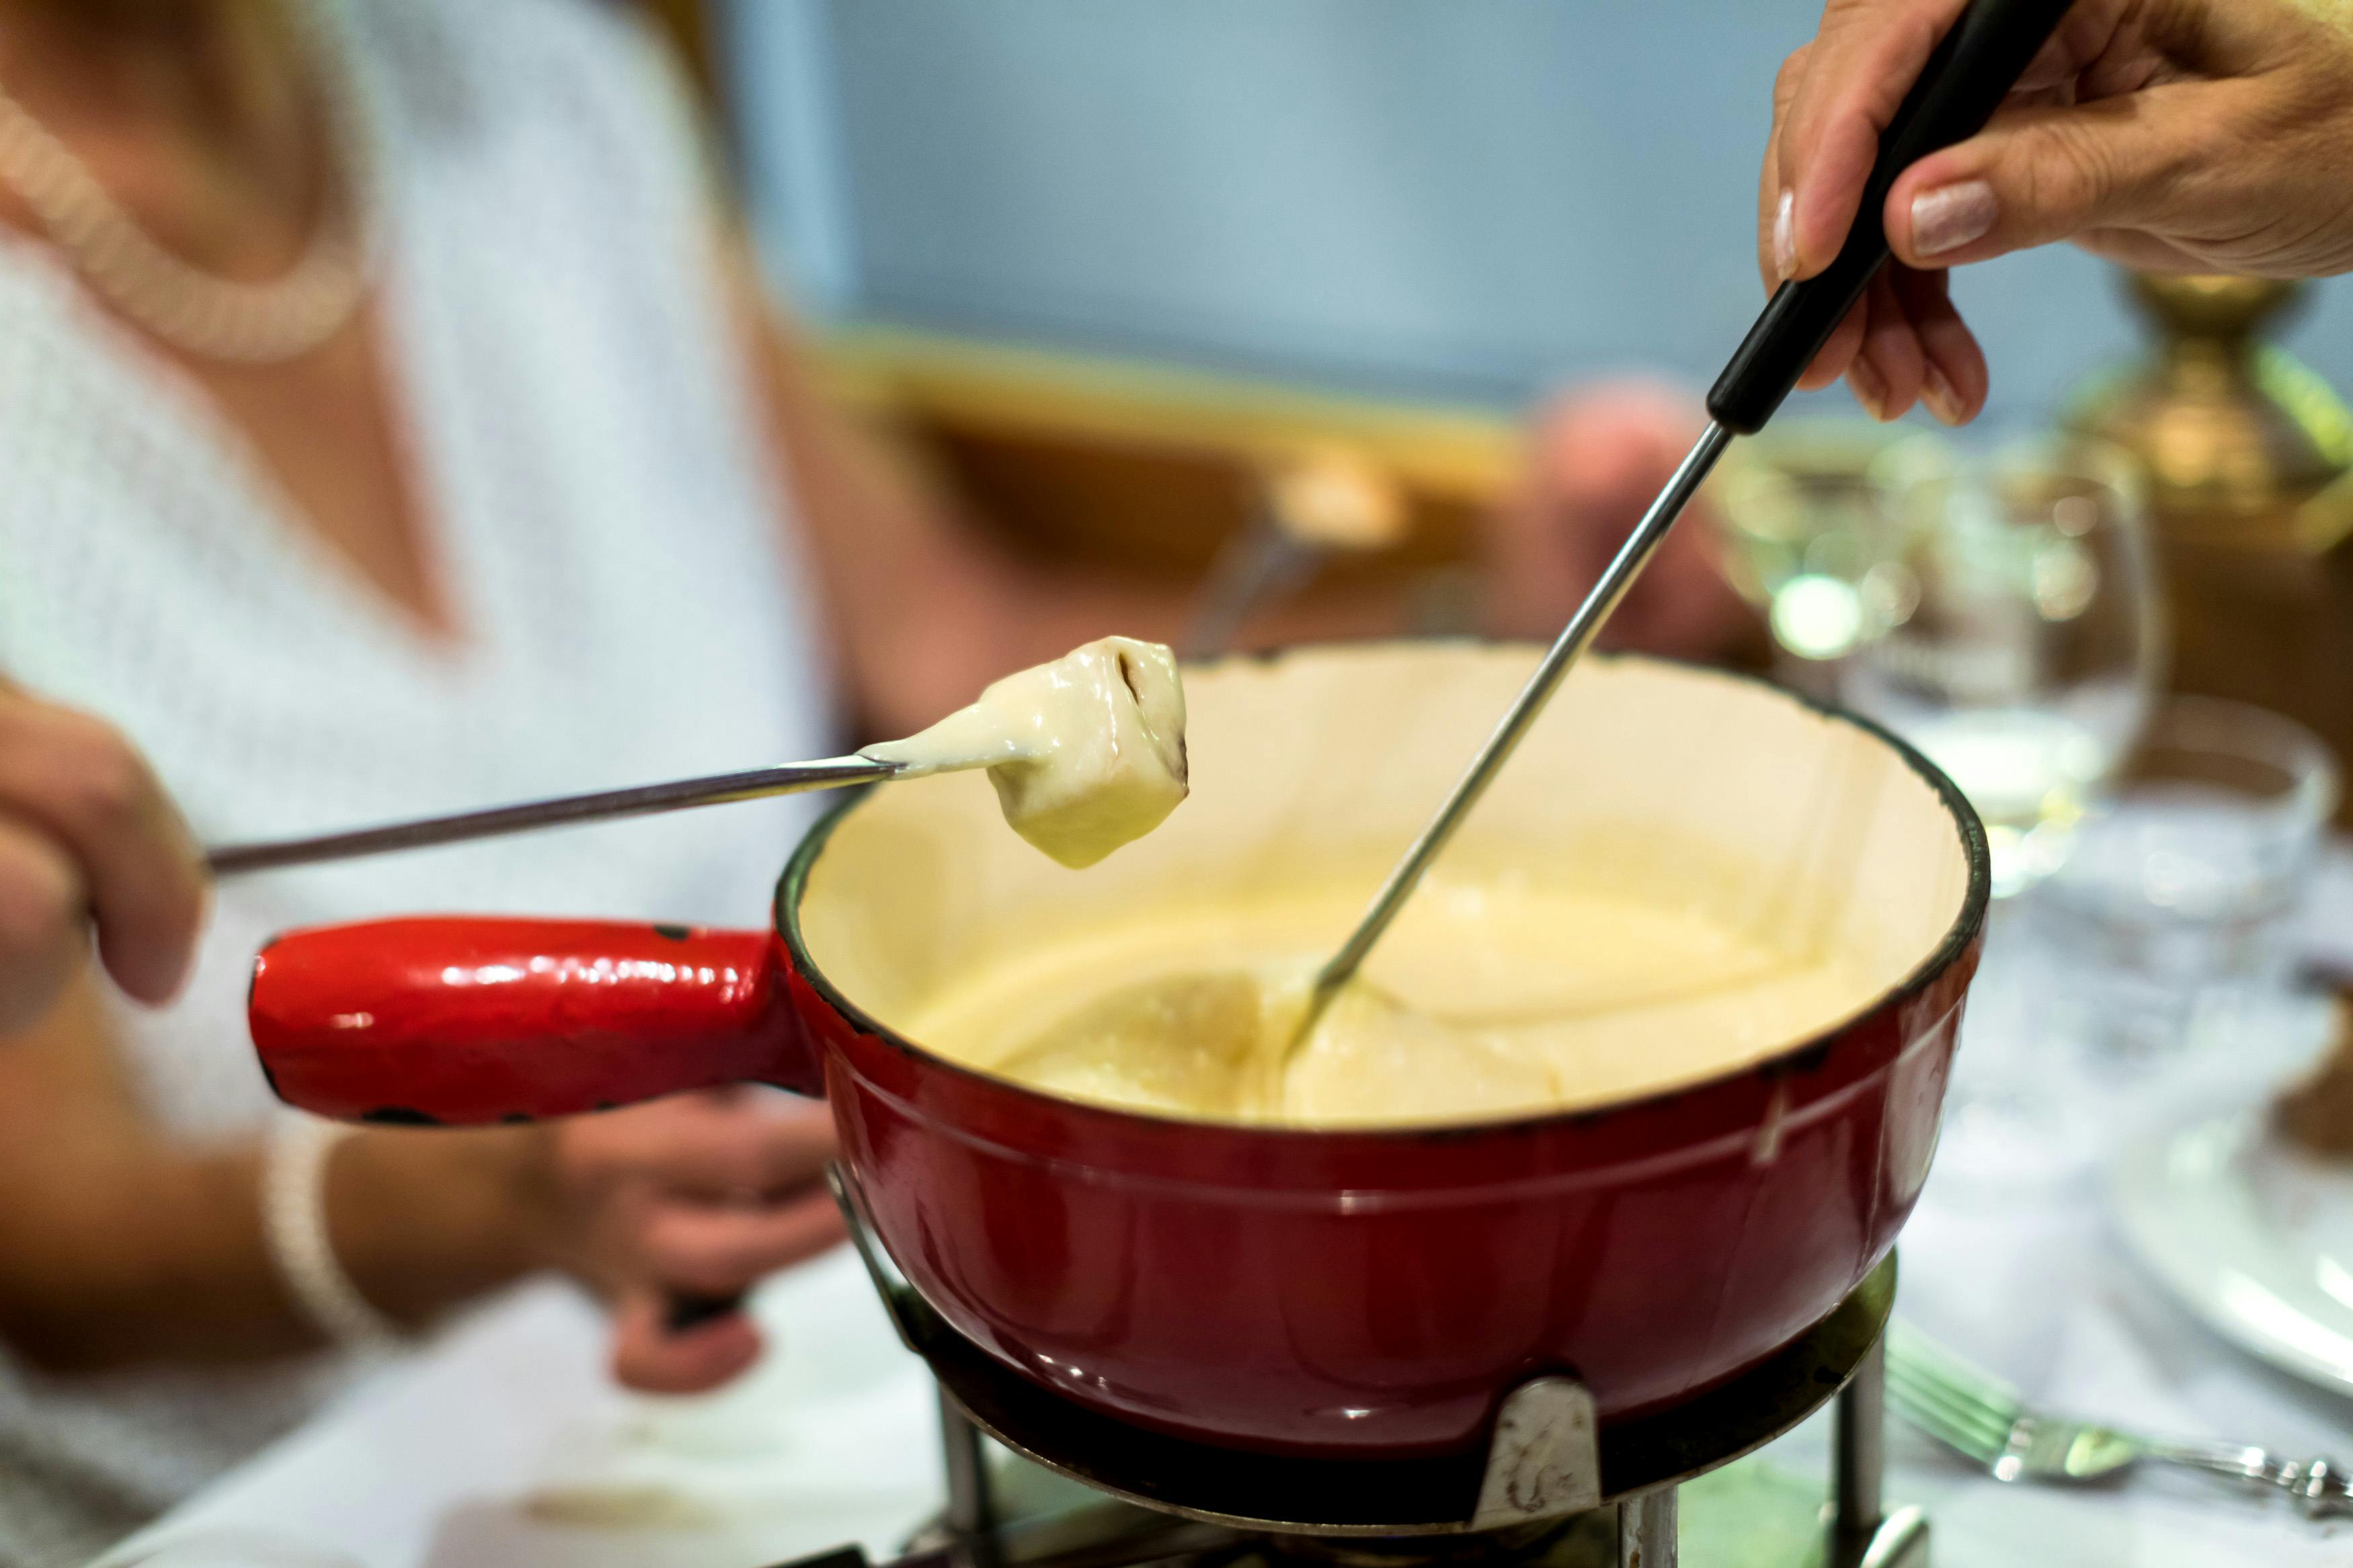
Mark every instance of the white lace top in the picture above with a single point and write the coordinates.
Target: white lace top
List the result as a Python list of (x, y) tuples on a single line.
[(577, 426)]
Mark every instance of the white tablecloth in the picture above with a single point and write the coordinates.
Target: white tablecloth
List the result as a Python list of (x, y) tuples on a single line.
[(502, 1447)]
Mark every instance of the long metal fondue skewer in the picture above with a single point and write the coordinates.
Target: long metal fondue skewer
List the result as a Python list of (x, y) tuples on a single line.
[(1973, 68), (1574, 639), (642, 800)]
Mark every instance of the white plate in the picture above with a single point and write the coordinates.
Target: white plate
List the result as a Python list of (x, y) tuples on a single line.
[(2255, 1237)]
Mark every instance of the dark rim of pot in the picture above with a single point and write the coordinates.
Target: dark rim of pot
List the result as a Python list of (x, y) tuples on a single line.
[(1966, 926)]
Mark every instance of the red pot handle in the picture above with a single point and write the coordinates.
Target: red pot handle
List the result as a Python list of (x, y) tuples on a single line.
[(464, 1021)]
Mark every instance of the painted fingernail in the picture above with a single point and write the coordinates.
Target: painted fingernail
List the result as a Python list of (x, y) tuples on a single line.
[(1950, 217), (1869, 390), (1785, 236), (1937, 393)]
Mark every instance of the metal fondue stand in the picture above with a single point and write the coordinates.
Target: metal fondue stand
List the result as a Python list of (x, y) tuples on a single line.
[(1552, 1491)]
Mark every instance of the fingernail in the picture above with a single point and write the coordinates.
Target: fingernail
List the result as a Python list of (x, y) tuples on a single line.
[(1939, 394), (1869, 390), (1950, 217), (1785, 236)]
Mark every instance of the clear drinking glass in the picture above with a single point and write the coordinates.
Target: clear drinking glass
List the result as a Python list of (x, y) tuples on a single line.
[(2019, 640), (1804, 510), (2172, 915)]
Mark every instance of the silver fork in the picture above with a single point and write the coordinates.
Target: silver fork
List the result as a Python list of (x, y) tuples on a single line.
[(1983, 1419)]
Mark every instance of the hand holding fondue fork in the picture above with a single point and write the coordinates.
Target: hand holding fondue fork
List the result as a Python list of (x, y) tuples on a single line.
[(1960, 84)]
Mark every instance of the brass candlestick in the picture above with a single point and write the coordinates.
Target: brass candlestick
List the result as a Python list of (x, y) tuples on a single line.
[(2248, 459)]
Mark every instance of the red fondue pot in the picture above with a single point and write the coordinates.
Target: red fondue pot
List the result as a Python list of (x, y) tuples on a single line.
[(1333, 1292)]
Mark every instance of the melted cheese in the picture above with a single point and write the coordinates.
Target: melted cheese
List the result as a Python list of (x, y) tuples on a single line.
[(1485, 1001), (1087, 752)]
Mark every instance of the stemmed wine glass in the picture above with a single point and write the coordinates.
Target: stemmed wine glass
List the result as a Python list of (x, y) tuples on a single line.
[(2019, 643), (1804, 511)]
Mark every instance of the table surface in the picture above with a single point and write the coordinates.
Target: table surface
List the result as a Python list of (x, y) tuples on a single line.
[(502, 1446)]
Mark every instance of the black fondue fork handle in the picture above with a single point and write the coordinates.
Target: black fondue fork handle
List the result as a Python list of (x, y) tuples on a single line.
[(1965, 81)]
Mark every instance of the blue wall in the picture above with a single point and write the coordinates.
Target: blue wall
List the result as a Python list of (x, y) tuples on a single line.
[(1469, 198)]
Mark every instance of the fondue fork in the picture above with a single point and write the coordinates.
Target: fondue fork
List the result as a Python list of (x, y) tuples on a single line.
[(640, 800), (1972, 69)]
